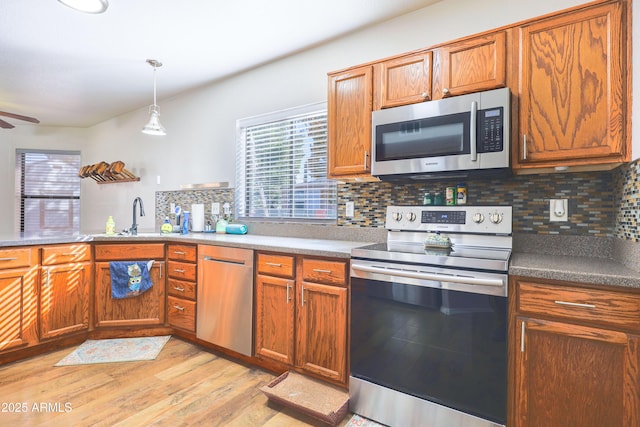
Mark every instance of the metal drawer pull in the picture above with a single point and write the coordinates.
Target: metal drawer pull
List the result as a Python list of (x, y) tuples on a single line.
[(522, 337), (177, 307), (288, 293), (575, 304), (179, 253), (176, 288), (319, 270), (177, 270), (273, 264), (302, 295), (8, 259)]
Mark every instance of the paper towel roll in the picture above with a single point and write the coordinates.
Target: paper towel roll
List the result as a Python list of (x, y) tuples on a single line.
[(197, 217)]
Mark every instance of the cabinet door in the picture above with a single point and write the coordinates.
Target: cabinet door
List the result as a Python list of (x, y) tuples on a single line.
[(19, 308), (570, 375), (349, 122), (64, 299), (275, 308), (322, 330), (143, 310), (470, 66), (573, 89), (403, 81)]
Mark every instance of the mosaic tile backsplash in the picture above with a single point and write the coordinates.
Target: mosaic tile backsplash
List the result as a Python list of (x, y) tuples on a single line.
[(603, 204), (186, 198)]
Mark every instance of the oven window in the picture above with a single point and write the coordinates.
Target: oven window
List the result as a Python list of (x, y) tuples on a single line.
[(448, 347), (435, 136)]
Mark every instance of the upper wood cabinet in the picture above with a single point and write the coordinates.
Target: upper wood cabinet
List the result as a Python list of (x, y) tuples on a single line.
[(470, 65), (349, 122), (573, 89), (402, 81)]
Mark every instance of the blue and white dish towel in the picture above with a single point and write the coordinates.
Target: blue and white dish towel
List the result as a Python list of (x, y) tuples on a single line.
[(130, 278)]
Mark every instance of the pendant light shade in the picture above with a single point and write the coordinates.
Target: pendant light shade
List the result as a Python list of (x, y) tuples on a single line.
[(87, 6), (153, 127)]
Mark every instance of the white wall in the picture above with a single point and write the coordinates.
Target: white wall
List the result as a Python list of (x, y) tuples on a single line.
[(200, 142)]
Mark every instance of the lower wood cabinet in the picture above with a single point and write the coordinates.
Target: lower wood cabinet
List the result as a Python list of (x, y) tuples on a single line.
[(64, 289), (147, 309), (18, 291), (182, 273), (576, 354), (301, 316)]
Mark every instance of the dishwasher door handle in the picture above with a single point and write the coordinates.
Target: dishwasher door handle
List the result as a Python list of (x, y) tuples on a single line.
[(225, 261)]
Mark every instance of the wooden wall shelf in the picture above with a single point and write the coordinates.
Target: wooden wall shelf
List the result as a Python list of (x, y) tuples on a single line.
[(107, 173)]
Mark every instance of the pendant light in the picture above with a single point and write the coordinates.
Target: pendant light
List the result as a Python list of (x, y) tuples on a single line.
[(87, 6), (153, 127)]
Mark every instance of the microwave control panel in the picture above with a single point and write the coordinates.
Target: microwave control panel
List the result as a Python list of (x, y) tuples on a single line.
[(490, 130)]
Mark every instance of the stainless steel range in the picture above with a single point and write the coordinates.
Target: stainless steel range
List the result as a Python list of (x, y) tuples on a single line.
[(429, 318)]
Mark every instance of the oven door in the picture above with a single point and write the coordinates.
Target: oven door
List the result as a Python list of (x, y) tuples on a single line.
[(442, 345)]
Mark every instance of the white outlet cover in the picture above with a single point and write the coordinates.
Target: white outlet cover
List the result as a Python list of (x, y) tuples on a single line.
[(349, 210), (558, 210)]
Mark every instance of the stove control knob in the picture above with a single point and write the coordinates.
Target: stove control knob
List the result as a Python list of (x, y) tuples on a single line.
[(396, 216), (478, 217), (495, 218), (411, 216)]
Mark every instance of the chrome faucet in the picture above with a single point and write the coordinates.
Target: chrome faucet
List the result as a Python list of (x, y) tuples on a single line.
[(134, 227)]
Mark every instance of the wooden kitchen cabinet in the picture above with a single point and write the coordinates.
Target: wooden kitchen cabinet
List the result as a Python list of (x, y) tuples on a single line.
[(401, 81), (574, 90), (64, 289), (470, 65), (349, 123), (576, 355), (147, 309), (182, 286), (18, 297), (301, 320)]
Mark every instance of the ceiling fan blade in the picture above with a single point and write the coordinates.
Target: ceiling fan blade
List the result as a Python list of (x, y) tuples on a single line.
[(6, 125), (19, 117)]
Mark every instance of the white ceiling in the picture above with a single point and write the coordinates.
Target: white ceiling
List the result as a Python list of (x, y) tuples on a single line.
[(69, 68)]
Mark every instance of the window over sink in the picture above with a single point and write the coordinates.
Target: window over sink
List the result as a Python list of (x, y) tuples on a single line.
[(281, 166)]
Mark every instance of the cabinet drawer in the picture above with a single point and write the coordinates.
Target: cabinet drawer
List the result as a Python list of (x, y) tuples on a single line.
[(186, 253), (17, 257), (129, 251), (63, 254), (181, 270), (276, 265), (324, 271), (607, 308), (182, 313), (181, 288)]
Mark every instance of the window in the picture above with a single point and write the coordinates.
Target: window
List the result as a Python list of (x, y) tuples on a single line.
[(48, 191), (281, 166)]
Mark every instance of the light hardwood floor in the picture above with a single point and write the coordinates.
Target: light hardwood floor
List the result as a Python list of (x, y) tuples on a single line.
[(184, 386)]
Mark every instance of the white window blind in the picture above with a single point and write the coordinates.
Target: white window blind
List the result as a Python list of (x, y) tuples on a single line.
[(48, 191), (281, 165)]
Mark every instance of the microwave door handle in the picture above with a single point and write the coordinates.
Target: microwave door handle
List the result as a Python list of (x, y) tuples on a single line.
[(473, 131)]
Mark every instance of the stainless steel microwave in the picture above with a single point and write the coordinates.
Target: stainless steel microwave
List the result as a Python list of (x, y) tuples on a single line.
[(459, 136)]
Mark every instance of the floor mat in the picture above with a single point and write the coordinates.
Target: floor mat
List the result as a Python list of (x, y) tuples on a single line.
[(115, 350), (309, 396)]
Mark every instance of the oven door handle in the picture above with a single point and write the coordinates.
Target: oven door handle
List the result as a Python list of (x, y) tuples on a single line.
[(429, 276)]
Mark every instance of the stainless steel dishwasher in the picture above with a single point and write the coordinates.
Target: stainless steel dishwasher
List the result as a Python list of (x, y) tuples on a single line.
[(225, 297)]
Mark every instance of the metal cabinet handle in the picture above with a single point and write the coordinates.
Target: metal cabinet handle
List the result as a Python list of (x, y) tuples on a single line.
[(524, 147), (425, 95), (445, 91), (288, 293), (366, 160), (302, 295), (177, 270), (8, 259), (177, 307), (522, 336), (273, 264), (179, 253), (319, 270), (179, 289), (575, 304)]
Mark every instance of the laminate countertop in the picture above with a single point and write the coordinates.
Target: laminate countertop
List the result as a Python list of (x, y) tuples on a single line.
[(581, 269)]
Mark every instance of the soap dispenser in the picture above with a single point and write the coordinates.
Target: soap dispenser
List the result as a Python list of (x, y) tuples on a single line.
[(110, 229), (166, 228)]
